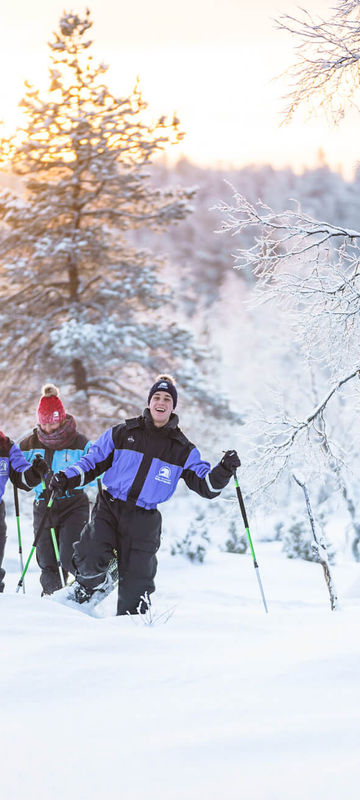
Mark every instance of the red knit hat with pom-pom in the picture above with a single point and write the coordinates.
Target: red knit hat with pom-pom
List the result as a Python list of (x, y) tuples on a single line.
[(50, 409)]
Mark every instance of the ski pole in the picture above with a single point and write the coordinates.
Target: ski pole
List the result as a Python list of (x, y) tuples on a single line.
[(55, 544), (37, 537), (17, 513), (57, 556), (244, 516)]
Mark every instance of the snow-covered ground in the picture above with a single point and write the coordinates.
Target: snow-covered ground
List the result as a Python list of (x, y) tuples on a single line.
[(214, 700)]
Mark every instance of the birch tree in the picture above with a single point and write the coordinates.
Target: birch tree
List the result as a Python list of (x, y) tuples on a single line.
[(309, 269)]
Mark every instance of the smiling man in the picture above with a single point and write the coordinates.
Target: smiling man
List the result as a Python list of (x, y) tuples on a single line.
[(142, 460), (161, 405)]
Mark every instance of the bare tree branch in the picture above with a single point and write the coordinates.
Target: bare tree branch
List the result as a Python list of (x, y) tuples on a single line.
[(327, 67)]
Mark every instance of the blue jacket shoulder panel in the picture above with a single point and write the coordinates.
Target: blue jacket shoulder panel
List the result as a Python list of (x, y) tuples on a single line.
[(12, 465)]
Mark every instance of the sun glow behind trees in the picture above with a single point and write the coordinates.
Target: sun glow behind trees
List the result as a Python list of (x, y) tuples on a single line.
[(77, 288), (213, 64)]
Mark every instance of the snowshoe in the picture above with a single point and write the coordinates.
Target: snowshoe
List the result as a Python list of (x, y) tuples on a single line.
[(77, 595)]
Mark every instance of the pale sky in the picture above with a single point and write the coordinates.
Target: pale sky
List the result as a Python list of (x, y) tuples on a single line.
[(211, 61)]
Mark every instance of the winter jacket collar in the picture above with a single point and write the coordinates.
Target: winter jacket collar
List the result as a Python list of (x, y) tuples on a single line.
[(166, 430), (171, 430)]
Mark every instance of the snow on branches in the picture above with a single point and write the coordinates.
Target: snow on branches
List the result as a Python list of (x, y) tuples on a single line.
[(328, 52), (307, 271), (79, 290)]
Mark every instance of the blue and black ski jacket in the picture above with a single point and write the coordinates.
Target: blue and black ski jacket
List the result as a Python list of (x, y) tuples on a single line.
[(142, 464), (12, 465)]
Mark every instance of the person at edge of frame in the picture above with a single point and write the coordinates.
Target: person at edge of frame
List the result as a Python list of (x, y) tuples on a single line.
[(59, 443), (142, 460), (13, 465)]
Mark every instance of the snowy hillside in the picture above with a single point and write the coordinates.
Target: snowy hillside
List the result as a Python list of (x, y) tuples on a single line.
[(216, 699)]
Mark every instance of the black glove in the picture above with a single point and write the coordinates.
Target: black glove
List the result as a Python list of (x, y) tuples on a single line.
[(58, 483), (230, 461), (39, 466), (33, 476)]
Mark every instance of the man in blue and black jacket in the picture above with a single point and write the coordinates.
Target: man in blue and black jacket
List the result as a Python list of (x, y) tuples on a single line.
[(13, 465), (142, 460)]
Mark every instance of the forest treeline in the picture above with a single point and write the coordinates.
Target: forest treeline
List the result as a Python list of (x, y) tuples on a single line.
[(196, 250)]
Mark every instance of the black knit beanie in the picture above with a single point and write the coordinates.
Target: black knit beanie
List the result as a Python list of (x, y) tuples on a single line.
[(164, 383)]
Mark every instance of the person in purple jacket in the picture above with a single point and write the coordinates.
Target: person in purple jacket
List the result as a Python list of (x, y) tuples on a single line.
[(13, 465), (142, 460)]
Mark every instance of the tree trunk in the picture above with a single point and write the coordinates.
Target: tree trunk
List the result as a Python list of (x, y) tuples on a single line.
[(80, 375), (320, 547)]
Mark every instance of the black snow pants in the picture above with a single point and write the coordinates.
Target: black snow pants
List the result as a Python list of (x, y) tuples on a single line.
[(2, 543), (68, 517), (135, 535)]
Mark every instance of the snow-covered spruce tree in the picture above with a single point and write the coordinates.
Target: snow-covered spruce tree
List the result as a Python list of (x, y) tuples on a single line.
[(296, 541), (237, 542), (77, 301), (303, 537), (195, 542), (309, 270)]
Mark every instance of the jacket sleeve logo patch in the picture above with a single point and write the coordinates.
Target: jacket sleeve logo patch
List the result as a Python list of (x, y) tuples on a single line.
[(3, 467)]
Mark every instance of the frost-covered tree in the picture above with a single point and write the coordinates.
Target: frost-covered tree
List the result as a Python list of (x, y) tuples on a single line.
[(195, 541), (326, 71), (237, 542), (309, 270), (78, 301), (319, 546)]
